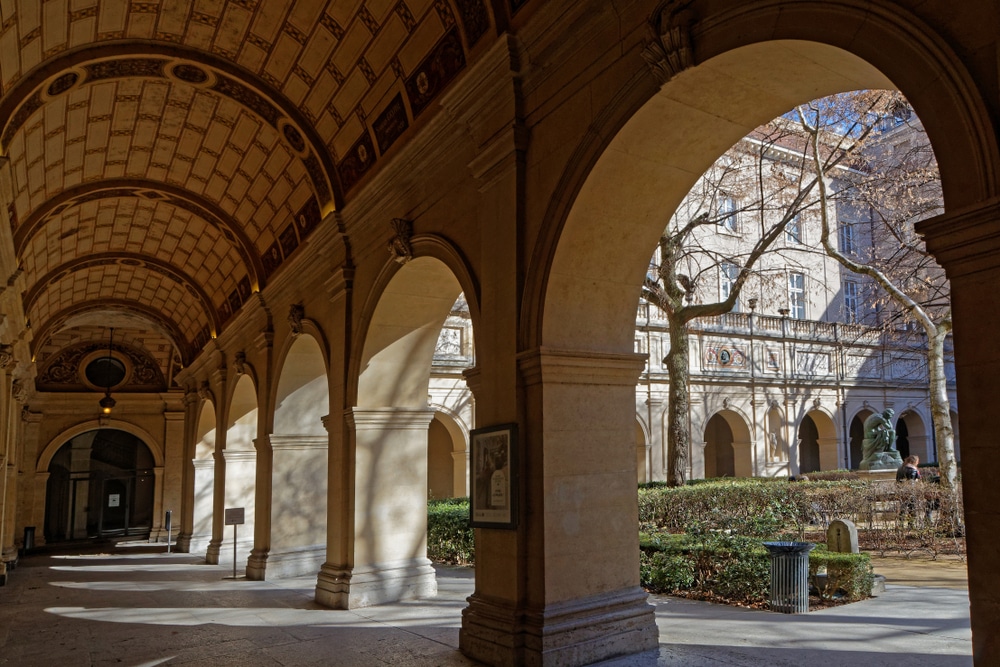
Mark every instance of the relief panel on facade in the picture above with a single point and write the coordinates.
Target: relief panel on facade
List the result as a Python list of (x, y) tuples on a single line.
[(725, 356), (862, 366), (812, 363)]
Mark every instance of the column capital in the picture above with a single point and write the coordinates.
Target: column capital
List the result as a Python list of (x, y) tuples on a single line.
[(580, 367), (397, 418), (965, 241)]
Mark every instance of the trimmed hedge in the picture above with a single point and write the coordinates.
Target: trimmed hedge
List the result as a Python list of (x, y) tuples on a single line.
[(737, 570), (849, 575), (449, 536)]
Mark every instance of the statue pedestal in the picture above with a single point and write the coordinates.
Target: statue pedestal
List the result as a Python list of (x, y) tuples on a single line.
[(877, 475)]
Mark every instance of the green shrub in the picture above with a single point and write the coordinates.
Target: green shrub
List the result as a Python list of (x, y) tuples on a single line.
[(848, 574), (449, 536)]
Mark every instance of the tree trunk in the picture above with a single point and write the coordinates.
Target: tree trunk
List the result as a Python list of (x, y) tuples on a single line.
[(678, 406), (944, 435)]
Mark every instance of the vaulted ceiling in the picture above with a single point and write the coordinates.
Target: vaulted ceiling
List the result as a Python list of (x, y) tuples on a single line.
[(168, 157)]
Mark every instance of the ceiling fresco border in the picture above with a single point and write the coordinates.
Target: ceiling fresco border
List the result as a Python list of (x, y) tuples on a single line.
[(129, 259), (160, 322), (171, 194), (130, 59)]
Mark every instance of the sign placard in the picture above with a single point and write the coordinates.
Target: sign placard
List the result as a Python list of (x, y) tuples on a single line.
[(234, 516), (114, 500)]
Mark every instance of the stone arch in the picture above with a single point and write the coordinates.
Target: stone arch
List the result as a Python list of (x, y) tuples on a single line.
[(100, 482), (856, 435), (642, 444), (817, 442), (727, 428), (769, 64), (912, 436), (155, 446), (447, 456), (204, 477), (302, 393), (240, 456), (389, 376), (299, 467), (437, 268)]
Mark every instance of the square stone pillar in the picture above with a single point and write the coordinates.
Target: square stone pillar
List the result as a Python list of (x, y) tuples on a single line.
[(240, 476), (967, 244), (298, 506), (576, 545), (388, 546), (201, 506)]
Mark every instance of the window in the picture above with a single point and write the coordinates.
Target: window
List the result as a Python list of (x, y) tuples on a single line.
[(851, 304), (847, 244), (728, 273), (727, 214), (793, 230), (797, 295)]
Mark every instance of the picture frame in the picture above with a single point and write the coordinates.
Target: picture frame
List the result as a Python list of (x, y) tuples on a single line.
[(493, 477)]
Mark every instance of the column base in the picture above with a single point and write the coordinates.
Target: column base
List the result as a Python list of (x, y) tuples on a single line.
[(183, 543), (212, 552), (257, 565), (567, 634), (346, 588), (296, 562)]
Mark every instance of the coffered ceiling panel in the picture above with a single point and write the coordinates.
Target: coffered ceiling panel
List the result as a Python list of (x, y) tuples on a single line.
[(124, 283), (168, 157)]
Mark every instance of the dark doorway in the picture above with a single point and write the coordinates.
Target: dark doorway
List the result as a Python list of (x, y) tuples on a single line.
[(808, 445), (857, 436), (101, 484), (720, 460), (902, 438)]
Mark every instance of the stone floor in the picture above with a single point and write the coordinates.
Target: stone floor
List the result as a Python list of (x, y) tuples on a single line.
[(139, 606)]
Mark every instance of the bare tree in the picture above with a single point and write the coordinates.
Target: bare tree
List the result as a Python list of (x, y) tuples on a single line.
[(757, 190), (896, 180)]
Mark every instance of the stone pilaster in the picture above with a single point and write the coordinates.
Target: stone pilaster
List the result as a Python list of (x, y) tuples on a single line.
[(388, 549), (577, 598)]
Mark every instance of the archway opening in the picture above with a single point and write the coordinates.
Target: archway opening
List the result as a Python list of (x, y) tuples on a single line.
[(240, 456), (204, 478), (720, 460), (809, 460), (857, 436), (101, 485)]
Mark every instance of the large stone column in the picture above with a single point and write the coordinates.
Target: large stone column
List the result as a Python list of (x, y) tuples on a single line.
[(389, 544), (260, 522), (189, 476), (578, 599), (967, 244)]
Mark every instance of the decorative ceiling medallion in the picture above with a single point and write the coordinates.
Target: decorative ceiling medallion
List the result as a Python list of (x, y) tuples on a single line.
[(192, 74), (293, 137), (62, 83)]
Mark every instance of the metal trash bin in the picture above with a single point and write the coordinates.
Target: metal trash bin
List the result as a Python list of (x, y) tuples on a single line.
[(790, 576), (29, 538)]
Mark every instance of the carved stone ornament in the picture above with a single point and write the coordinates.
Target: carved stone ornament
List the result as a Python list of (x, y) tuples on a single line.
[(725, 403), (668, 48), (399, 246), (295, 316), (240, 362), (19, 391), (6, 355), (205, 390), (817, 403)]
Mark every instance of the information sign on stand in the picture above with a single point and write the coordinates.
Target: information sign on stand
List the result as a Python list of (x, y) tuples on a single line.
[(234, 517)]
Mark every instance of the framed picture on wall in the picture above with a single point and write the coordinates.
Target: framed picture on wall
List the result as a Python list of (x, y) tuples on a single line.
[(493, 477)]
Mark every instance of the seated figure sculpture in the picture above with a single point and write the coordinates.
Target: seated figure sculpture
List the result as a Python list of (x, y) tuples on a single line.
[(879, 446)]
